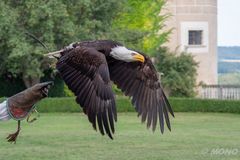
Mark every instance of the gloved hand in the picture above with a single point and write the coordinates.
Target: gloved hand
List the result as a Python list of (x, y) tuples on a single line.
[(22, 103), (27, 98)]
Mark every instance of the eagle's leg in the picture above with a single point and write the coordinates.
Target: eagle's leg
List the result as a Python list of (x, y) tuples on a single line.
[(13, 137)]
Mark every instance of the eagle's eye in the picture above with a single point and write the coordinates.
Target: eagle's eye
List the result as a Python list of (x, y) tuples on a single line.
[(133, 54)]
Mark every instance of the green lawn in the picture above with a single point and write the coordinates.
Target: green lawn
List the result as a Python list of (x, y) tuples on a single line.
[(69, 136)]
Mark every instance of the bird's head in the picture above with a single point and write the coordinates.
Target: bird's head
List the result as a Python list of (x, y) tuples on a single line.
[(127, 55)]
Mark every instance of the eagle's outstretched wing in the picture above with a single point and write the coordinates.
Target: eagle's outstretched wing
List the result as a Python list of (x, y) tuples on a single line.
[(86, 73), (140, 82)]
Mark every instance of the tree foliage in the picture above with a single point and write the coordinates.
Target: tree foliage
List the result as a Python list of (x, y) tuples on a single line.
[(178, 72), (140, 25), (56, 23)]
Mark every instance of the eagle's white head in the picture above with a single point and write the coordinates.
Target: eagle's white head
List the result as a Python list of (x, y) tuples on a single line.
[(124, 54)]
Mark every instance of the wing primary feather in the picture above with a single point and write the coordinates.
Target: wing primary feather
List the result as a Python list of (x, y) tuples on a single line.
[(120, 73), (114, 109), (168, 104), (105, 123), (110, 118), (71, 76), (86, 84), (140, 97), (63, 68), (145, 97), (145, 108), (92, 118), (102, 105), (80, 89), (149, 110), (135, 94), (165, 111), (88, 97), (161, 119), (128, 84), (94, 122), (93, 101), (129, 88), (125, 81), (138, 103), (85, 95), (100, 125), (77, 82), (155, 111), (114, 70)]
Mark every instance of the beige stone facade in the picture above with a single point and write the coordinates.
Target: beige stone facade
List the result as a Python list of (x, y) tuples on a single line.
[(194, 24)]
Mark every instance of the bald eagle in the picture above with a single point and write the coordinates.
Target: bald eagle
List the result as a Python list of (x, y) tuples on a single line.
[(89, 67)]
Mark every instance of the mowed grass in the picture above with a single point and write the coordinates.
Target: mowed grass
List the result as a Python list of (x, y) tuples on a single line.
[(69, 136)]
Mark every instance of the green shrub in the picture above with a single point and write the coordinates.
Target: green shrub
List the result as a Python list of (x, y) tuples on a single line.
[(179, 72), (68, 104)]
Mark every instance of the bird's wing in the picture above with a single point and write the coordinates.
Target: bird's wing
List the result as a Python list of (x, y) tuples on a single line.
[(140, 82), (85, 71)]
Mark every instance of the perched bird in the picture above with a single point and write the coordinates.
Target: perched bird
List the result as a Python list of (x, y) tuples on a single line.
[(89, 67)]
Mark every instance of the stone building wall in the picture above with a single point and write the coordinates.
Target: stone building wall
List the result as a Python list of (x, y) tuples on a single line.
[(199, 16)]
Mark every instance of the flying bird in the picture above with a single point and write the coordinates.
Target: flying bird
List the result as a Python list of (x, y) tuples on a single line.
[(88, 68)]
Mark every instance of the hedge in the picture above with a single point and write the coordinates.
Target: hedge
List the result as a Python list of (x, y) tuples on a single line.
[(67, 104), (205, 105)]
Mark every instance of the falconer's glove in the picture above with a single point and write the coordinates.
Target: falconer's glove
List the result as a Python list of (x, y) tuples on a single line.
[(20, 105)]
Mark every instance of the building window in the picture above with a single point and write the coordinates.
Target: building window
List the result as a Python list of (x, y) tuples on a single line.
[(195, 37)]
